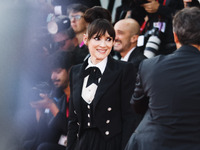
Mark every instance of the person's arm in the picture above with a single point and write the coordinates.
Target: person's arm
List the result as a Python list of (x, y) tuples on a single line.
[(40, 105), (166, 10), (139, 101), (46, 102)]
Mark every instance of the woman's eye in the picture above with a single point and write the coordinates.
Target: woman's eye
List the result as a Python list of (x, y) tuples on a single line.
[(97, 38), (109, 39)]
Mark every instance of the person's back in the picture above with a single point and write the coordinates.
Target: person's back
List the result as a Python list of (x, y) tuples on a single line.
[(172, 84)]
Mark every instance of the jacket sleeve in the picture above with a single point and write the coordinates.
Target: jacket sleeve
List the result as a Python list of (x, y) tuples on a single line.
[(73, 120), (139, 101)]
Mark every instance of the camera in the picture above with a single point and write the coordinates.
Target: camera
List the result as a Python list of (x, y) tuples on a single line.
[(58, 24), (152, 40), (43, 87)]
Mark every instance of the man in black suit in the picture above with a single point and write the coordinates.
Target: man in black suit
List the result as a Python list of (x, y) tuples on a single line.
[(127, 32), (172, 84)]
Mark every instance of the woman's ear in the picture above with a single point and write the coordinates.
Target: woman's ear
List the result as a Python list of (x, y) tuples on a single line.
[(85, 39)]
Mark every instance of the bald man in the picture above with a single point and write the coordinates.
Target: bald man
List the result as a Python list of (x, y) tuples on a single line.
[(127, 33)]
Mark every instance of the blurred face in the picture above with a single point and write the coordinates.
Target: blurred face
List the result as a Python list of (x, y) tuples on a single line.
[(99, 47), (77, 22), (59, 77), (122, 39), (63, 42)]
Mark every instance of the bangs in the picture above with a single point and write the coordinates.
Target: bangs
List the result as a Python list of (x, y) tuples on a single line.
[(99, 27)]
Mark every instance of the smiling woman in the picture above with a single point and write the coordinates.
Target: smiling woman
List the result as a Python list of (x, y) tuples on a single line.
[(100, 112), (99, 43)]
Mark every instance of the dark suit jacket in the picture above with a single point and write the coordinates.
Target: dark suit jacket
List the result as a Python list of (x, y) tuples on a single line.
[(114, 92), (136, 56), (172, 84)]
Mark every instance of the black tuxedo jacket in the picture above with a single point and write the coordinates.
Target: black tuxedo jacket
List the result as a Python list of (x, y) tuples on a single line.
[(172, 84), (111, 102)]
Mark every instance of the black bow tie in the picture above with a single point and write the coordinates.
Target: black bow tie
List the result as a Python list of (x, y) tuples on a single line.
[(94, 74)]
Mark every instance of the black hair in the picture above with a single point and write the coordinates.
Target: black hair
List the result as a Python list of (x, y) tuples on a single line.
[(61, 59), (76, 8), (186, 25), (100, 27), (97, 12)]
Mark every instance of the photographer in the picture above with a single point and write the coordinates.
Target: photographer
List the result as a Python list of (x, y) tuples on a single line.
[(159, 13), (52, 107)]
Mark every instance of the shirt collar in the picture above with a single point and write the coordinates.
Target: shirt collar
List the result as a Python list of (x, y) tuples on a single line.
[(101, 65), (125, 58)]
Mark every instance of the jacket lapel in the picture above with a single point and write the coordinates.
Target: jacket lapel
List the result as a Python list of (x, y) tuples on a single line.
[(109, 76)]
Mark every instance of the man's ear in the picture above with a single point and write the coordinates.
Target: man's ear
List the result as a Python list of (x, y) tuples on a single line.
[(134, 38), (176, 40), (85, 39)]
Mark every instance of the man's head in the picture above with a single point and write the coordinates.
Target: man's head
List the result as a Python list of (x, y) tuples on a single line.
[(60, 64), (65, 40), (186, 26), (127, 32), (76, 13)]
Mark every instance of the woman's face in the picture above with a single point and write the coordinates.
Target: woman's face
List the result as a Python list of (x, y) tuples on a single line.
[(99, 47)]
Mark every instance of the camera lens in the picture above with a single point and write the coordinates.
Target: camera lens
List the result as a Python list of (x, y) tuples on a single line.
[(152, 46)]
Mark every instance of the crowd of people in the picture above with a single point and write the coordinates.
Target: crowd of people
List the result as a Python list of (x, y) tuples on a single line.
[(131, 84)]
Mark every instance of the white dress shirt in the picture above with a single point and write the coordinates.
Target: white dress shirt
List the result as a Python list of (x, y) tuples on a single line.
[(126, 57), (88, 93)]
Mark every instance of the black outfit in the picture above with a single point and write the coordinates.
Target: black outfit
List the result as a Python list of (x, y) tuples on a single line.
[(49, 129), (111, 119), (136, 57), (164, 14), (172, 84), (80, 54)]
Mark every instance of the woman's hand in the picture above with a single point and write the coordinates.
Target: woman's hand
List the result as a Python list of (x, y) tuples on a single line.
[(46, 102)]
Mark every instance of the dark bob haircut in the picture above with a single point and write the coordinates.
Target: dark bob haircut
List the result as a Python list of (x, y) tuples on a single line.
[(100, 27)]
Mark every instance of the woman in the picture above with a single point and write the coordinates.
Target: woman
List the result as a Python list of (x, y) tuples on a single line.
[(100, 113)]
